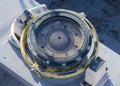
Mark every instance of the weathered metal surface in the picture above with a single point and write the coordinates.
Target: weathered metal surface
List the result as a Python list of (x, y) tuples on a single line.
[(10, 57)]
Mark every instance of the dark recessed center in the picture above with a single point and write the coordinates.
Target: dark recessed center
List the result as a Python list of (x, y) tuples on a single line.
[(59, 37), (59, 40)]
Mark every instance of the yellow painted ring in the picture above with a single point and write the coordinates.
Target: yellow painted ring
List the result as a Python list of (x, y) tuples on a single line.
[(35, 66)]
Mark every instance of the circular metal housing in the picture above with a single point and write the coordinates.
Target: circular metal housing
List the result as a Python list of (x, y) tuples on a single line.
[(61, 42)]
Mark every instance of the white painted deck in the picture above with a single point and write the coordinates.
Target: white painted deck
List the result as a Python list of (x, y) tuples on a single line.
[(9, 10)]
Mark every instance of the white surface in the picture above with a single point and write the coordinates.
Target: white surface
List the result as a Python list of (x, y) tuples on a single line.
[(9, 10), (113, 62), (93, 77)]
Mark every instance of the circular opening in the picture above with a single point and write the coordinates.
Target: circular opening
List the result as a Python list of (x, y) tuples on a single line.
[(59, 37)]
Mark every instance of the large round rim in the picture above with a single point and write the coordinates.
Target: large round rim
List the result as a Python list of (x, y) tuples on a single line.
[(61, 13), (64, 74)]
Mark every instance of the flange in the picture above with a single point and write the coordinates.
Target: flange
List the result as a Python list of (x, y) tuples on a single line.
[(58, 43)]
